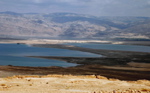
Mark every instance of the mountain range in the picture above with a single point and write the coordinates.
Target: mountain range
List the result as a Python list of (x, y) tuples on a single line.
[(71, 25)]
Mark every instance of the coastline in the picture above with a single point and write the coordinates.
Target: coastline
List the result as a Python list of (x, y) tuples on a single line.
[(114, 72), (55, 41), (123, 65)]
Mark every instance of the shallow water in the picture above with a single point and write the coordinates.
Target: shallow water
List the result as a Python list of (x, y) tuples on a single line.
[(135, 48), (13, 54)]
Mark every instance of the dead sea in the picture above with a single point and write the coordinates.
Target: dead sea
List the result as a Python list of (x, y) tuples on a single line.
[(113, 63)]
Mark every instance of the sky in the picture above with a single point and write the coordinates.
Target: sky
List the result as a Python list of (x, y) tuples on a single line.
[(92, 7)]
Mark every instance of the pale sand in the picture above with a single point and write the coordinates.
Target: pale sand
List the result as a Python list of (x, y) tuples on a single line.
[(49, 41), (6, 74), (71, 84)]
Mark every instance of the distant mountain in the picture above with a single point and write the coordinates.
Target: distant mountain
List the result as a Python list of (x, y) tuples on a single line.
[(71, 25)]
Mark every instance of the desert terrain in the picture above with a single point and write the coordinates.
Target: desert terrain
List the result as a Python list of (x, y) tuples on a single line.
[(71, 84)]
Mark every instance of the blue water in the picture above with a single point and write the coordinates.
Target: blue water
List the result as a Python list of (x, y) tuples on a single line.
[(13, 54), (133, 48)]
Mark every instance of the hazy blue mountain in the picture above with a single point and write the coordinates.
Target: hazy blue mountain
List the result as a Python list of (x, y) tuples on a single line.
[(71, 25)]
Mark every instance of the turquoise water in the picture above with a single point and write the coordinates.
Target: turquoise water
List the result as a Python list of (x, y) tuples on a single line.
[(113, 47), (13, 54)]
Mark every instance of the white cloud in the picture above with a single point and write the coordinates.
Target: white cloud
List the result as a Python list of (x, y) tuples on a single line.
[(93, 7)]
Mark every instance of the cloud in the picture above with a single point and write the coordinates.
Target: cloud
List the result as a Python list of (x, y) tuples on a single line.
[(119, 7), (93, 7), (38, 1)]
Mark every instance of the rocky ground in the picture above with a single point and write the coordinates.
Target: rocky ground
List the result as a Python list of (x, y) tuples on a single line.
[(71, 84)]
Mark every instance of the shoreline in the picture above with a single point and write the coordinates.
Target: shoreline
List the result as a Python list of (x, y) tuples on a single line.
[(55, 41), (123, 65), (115, 72)]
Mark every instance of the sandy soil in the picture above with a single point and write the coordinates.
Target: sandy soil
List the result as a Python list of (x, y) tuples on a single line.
[(6, 74), (142, 65), (71, 84)]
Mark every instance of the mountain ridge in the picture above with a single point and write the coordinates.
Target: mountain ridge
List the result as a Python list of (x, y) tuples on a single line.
[(72, 25)]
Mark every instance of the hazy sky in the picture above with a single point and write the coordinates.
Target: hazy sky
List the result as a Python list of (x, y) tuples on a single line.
[(92, 7)]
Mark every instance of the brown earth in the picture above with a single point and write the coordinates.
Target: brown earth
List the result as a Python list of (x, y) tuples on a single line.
[(107, 71)]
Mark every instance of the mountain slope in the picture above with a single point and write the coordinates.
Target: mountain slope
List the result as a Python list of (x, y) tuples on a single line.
[(72, 25)]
